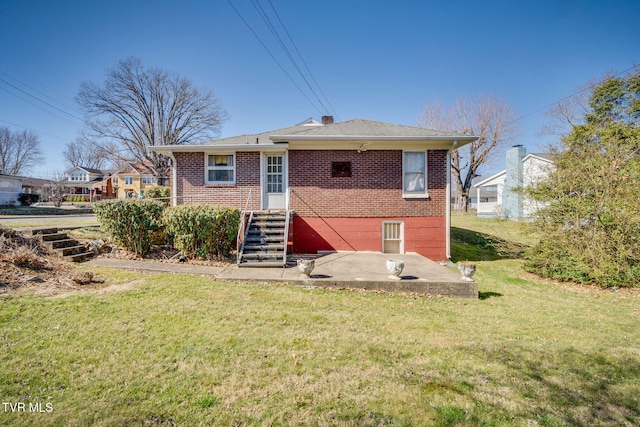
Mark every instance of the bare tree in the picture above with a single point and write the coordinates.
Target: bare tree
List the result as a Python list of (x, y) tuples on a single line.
[(564, 115), (139, 107), (54, 191), (18, 151), (86, 153), (488, 118)]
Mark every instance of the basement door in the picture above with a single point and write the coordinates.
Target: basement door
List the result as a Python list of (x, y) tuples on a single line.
[(274, 181)]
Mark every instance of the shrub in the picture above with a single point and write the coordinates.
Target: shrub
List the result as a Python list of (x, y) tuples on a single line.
[(201, 230), (158, 192), (590, 221), (27, 199), (131, 223)]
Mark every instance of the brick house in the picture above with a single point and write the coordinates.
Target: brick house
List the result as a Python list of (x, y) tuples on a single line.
[(356, 185)]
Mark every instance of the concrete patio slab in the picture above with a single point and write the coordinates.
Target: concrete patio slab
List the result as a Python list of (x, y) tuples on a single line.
[(364, 270)]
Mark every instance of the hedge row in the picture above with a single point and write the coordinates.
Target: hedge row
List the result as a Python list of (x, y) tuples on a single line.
[(196, 230), (200, 230)]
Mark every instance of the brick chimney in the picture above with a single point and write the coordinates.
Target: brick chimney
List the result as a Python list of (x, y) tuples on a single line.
[(327, 120), (512, 197)]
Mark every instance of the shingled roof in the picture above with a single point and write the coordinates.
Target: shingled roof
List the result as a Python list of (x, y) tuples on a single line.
[(350, 129), (353, 130), (365, 129)]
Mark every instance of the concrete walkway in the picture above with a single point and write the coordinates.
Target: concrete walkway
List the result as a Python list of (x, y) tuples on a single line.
[(357, 270)]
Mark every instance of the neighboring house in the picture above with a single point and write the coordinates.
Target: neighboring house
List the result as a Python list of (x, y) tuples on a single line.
[(10, 189), (132, 180), (484, 194), (103, 189), (80, 181), (34, 185), (523, 170), (357, 185)]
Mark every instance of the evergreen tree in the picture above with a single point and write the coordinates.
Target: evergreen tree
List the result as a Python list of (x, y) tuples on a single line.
[(591, 222)]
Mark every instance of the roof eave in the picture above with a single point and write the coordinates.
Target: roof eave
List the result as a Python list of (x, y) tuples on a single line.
[(278, 138), (491, 178), (210, 147)]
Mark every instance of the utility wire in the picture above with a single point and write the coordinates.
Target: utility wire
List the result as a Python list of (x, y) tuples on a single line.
[(265, 17), (333, 110), (33, 130), (273, 57), (584, 89), (37, 99), (37, 91)]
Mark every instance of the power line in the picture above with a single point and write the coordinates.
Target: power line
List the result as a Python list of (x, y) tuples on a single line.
[(276, 35), (37, 91), (584, 89), (273, 57), (286, 50), (33, 130), (37, 99), (302, 58)]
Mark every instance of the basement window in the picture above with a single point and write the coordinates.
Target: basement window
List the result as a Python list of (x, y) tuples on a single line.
[(393, 237), (340, 169)]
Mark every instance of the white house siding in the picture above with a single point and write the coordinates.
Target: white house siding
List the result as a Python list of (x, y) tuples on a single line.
[(494, 207), (10, 188), (535, 167), (535, 170)]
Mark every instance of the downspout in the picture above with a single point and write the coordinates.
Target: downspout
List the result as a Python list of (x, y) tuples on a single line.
[(448, 191), (174, 179)]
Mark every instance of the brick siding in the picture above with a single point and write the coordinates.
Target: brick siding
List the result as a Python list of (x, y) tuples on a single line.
[(191, 185), (373, 190)]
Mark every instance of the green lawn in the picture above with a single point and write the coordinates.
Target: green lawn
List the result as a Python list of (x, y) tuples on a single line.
[(166, 350)]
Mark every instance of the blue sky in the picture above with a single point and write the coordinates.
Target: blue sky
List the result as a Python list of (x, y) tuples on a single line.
[(377, 60)]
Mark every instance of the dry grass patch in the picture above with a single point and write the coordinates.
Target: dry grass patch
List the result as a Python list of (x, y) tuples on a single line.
[(26, 267)]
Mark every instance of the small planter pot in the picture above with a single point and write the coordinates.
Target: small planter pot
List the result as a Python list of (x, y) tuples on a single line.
[(395, 267), (306, 266), (467, 270)]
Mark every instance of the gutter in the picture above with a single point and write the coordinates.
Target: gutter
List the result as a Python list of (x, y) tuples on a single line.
[(302, 137), (174, 178), (448, 192), (196, 148)]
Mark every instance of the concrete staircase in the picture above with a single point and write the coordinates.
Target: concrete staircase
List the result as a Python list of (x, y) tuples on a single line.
[(61, 244), (265, 243)]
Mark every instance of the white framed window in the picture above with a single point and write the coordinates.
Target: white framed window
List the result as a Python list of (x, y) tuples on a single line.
[(78, 176), (220, 169), (148, 179), (128, 180), (414, 174)]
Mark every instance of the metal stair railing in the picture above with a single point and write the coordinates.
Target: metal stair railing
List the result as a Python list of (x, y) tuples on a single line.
[(243, 228), (286, 226)]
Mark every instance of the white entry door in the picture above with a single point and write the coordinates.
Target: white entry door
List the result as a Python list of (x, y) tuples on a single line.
[(274, 181)]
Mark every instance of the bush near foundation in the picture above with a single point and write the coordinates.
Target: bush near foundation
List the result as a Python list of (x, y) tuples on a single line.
[(27, 199), (202, 230), (131, 223), (158, 192)]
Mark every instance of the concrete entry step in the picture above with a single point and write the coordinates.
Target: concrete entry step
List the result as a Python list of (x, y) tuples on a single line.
[(59, 243), (265, 243), (261, 264)]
